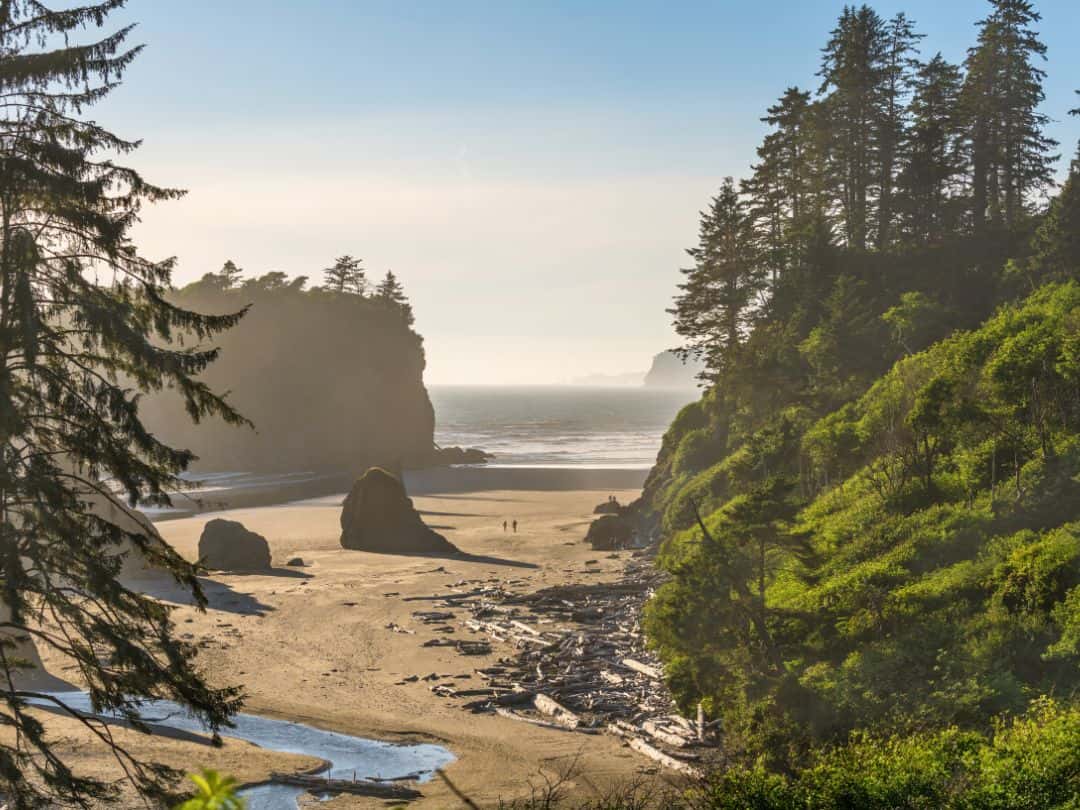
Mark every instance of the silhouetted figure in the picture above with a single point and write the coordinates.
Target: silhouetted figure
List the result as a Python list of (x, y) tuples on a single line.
[(515, 527), (504, 527)]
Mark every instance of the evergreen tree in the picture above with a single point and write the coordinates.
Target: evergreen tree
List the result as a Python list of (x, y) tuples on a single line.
[(1056, 246), (230, 274), (933, 161), (346, 275), (75, 356), (1010, 152), (781, 187), (714, 311), (852, 73), (390, 292), (890, 128)]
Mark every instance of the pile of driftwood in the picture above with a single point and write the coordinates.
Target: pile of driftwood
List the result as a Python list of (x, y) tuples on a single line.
[(576, 661)]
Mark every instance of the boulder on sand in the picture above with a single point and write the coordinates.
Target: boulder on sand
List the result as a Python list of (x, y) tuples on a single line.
[(610, 533), (379, 516), (228, 546)]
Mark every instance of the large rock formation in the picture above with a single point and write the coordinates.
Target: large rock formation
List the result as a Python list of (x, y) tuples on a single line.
[(610, 533), (331, 382), (229, 546), (379, 516), (670, 371), (609, 507)]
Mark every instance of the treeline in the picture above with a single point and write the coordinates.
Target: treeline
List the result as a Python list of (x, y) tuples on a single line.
[(871, 516), (330, 376), (346, 276), (899, 174)]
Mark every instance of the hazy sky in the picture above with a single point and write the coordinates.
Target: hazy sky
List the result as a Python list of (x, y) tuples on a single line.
[(531, 170)]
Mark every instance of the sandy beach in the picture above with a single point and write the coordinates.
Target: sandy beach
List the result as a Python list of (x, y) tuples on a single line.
[(312, 644)]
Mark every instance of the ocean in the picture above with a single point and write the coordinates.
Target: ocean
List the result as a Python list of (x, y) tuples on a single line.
[(557, 426)]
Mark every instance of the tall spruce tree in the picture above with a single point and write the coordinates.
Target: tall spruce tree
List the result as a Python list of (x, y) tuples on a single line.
[(346, 275), (1056, 245), (391, 293), (780, 190), (852, 74), (1011, 154), (230, 274), (715, 307), (898, 62), (75, 356), (933, 164)]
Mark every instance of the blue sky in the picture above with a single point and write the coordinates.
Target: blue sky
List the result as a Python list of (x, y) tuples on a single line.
[(532, 170)]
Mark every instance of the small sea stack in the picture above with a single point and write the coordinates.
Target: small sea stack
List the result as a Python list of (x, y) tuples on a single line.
[(610, 533), (379, 516), (609, 507), (227, 545)]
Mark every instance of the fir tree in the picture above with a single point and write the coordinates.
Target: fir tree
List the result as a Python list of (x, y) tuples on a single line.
[(781, 187), (852, 73), (714, 310), (933, 161), (390, 292), (75, 356), (890, 128), (1010, 152), (1056, 246), (346, 275), (230, 274)]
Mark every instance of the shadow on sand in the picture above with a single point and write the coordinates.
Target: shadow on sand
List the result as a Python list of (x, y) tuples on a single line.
[(219, 595), (429, 513), (460, 556)]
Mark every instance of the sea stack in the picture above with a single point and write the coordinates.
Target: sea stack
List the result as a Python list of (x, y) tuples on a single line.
[(610, 533), (379, 516), (228, 545)]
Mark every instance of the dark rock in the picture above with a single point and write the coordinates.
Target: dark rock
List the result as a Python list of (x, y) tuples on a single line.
[(609, 508), (379, 516), (228, 546), (447, 456), (610, 532), (296, 562)]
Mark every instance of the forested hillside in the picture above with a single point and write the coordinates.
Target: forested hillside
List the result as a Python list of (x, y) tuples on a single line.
[(331, 377), (871, 519)]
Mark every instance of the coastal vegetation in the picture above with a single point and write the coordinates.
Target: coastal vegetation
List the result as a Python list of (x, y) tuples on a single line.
[(86, 329), (871, 519)]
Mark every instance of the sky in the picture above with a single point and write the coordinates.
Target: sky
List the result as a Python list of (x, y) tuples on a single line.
[(532, 171)]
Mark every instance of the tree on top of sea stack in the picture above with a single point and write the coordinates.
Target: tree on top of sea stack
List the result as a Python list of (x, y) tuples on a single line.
[(84, 332), (346, 275), (391, 293)]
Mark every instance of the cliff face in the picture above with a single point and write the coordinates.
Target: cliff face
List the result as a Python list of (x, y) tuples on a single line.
[(332, 382), (668, 371)]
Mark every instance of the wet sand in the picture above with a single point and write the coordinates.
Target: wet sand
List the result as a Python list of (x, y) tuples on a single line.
[(312, 644)]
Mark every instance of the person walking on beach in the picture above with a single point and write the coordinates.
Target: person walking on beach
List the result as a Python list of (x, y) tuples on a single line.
[(504, 527), (515, 527)]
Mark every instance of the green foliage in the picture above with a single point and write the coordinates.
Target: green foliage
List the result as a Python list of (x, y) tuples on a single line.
[(215, 792), (85, 333), (1032, 762), (920, 572)]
